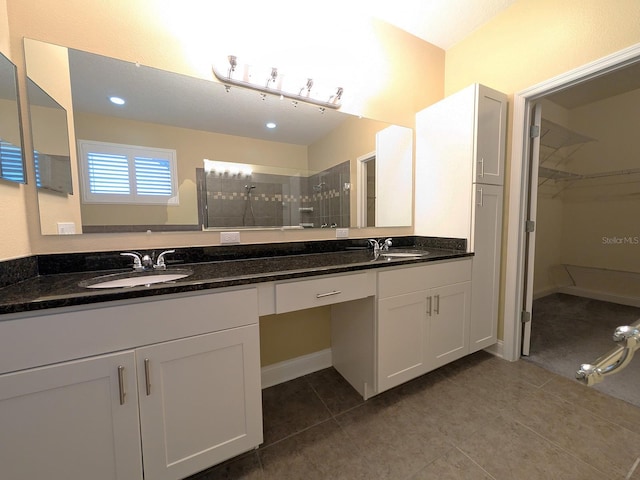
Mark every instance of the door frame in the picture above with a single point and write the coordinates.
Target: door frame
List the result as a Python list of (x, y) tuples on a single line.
[(519, 185), (361, 188)]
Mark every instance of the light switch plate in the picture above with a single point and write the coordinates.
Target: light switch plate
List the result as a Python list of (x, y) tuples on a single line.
[(66, 228), (342, 233), (229, 237)]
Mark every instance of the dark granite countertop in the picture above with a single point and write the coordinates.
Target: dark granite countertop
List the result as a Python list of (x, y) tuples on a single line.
[(62, 289)]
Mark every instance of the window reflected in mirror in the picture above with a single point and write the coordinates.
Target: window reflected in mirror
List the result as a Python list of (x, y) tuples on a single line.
[(11, 154)]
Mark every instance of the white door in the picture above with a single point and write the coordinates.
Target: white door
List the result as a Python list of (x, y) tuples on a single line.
[(71, 421), (200, 401), (534, 161)]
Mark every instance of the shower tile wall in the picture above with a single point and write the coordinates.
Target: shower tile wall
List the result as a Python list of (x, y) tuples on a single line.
[(277, 200), (329, 196)]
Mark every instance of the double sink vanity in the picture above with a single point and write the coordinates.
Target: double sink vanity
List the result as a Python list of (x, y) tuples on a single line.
[(162, 380)]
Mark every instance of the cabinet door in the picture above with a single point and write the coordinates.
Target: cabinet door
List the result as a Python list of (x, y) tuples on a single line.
[(66, 421), (200, 401), (448, 334), (401, 338), (491, 129), (444, 166), (485, 278)]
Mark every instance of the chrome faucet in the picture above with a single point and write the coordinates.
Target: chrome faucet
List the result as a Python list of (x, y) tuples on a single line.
[(380, 245), (143, 263), (160, 265), (137, 260)]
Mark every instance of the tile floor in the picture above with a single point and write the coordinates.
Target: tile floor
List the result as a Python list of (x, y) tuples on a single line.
[(478, 418)]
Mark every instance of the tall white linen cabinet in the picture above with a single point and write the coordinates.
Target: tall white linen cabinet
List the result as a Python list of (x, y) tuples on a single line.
[(459, 183)]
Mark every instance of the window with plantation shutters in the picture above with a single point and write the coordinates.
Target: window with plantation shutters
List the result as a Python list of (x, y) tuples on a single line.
[(11, 165), (115, 173)]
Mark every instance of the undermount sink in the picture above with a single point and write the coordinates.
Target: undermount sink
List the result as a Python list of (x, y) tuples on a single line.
[(404, 254), (135, 279)]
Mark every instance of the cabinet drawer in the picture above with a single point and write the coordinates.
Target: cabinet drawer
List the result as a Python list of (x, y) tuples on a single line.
[(321, 291), (111, 326), (414, 279)]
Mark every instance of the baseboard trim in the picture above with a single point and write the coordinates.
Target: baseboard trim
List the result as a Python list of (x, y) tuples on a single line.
[(496, 349), (545, 292), (605, 297), (296, 367)]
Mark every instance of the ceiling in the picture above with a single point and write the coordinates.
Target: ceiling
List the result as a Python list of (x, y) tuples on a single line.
[(446, 22), (614, 83), (440, 22)]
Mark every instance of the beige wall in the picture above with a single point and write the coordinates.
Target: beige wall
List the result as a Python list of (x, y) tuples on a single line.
[(606, 207), (388, 74), (534, 40), (14, 238), (290, 335)]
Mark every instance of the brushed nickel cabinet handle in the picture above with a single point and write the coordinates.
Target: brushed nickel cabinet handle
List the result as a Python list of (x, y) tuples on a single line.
[(480, 201), (436, 308), (147, 375), (428, 306), (123, 393), (481, 162), (328, 294)]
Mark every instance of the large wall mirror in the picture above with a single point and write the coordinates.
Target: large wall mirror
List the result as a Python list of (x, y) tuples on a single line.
[(161, 151), (11, 154)]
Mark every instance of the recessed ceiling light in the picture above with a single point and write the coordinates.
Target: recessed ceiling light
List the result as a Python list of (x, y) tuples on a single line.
[(117, 100), (271, 125)]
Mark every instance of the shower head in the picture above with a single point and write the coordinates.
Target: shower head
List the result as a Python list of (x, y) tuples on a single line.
[(248, 188), (318, 187)]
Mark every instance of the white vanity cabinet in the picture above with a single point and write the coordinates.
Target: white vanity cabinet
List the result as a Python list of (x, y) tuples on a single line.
[(200, 401), (460, 153), (67, 421), (423, 319), (181, 392), (486, 266)]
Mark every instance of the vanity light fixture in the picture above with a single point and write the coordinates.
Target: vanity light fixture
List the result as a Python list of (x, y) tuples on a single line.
[(273, 81), (117, 100)]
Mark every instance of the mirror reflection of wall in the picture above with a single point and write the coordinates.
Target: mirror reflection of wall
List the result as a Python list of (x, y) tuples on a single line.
[(50, 136), (200, 119), (11, 155)]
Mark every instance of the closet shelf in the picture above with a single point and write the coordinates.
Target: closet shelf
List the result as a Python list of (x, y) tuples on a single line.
[(556, 136), (561, 175)]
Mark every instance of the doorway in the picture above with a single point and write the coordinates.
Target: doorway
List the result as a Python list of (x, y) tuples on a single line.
[(574, 82)]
